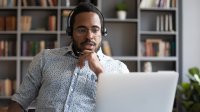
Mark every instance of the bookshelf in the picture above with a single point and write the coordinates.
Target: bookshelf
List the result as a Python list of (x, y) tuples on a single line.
[(158, 37), (126, 37)]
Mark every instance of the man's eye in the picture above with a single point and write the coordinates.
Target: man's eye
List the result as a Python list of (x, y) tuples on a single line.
[(82, 30), (95, 30)]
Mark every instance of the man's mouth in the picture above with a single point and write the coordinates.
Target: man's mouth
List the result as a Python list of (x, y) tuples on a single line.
[(88, 45)]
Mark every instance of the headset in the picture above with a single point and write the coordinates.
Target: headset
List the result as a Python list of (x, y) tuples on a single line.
[(69, 28)]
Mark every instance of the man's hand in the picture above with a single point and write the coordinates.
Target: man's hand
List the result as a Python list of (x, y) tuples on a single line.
[(14, 107), (93, 61)]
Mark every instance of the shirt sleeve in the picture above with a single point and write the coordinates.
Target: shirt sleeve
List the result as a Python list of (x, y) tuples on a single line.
[(112, 65), (31, 82), (123, 68)]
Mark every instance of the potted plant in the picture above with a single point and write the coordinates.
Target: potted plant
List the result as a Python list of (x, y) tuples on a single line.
[(190, 91), (121, 9)]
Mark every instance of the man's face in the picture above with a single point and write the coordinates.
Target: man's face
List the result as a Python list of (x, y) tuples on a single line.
[(87, 32)]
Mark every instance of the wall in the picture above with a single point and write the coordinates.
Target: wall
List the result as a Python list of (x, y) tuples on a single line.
[(191, 35)]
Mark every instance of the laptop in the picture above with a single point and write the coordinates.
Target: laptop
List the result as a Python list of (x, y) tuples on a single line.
[(136, 92)]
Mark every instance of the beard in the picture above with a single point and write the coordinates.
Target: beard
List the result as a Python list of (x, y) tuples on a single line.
[(76, 49)]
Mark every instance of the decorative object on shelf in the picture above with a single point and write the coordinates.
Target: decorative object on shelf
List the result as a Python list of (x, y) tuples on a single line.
[(121, 9), (106, 48), (65, 15), (190, 91), (147, 67), (67, 3)]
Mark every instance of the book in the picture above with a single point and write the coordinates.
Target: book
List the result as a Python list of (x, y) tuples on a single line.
[(158, 23), (24, 3), (6, 48), (142, 48), (106, 48), (11, 3), (26, 23), (24, 48), (42, 45), (167, 49), (170, 23), (157, 2), (2, 23), (8, 87), (43, 3), (166, 22), (67, 3), (50, 3), (173, 3), (155, 47), (4, 3), (10, 23), (161, 22), (143, 4), (52, 23), (4, 109), (55, 2), (2, 47)]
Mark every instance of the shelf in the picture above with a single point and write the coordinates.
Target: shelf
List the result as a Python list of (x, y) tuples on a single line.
[(157, 33), (8, 32), (10, 58), (8, 8), (68, 8), (158, 58), (39, 8), (26, 58), (39, 32), (118, 20), (126, 58), (5, 97), (158, 9), (62, 32)]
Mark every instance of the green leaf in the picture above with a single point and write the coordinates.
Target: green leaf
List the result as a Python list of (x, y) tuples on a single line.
[(185, 86), (194, 70), (121, 6)]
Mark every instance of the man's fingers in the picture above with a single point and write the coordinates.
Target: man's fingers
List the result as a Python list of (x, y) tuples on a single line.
[(85, 55)]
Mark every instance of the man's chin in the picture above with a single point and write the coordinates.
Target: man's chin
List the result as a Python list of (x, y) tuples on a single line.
[(93, 50)]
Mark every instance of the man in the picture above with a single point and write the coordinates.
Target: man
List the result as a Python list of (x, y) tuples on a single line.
[(65, 79)]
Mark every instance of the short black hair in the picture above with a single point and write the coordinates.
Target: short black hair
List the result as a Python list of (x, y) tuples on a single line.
[(84, 7)]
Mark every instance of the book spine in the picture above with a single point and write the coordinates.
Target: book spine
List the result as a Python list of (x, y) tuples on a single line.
[(2, 23)]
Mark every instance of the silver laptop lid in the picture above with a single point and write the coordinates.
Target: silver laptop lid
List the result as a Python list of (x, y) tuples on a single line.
[(136, 92)]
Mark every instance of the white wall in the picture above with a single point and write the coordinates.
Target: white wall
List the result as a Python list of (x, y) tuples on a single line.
[(191, 35)]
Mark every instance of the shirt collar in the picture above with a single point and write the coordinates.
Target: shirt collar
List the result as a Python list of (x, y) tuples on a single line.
[(70, 51)]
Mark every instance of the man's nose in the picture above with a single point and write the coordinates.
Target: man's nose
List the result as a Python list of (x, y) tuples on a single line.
[(89, 34)]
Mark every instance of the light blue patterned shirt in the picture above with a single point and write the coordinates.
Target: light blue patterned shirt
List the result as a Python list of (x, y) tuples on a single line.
[(58, 85)]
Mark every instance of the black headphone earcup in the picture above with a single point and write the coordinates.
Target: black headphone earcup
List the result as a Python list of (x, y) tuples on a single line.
[(68, 31), (104, 32)]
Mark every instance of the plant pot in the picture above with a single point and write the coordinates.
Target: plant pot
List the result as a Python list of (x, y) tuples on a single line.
[(121, 15)]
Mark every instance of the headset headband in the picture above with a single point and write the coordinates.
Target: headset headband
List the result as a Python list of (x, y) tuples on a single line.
[(69, 28)]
